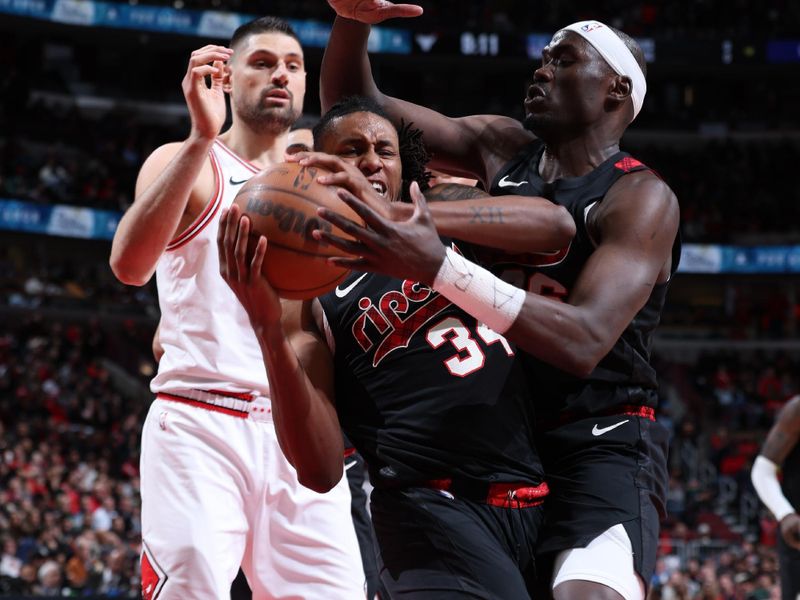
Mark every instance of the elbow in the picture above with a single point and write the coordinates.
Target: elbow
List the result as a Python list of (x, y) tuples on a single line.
[(582, 361), (322, 481), (563, 227), (125, 273), (579, 366)]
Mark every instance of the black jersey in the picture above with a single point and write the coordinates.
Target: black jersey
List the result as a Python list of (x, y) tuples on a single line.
[(624, 377), (790, 481), (422, 390)]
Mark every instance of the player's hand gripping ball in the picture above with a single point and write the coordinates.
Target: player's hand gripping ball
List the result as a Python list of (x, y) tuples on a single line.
[(282, 203)]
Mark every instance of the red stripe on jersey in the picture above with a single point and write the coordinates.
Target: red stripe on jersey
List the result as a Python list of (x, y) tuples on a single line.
[(205, 218), (245, 163)]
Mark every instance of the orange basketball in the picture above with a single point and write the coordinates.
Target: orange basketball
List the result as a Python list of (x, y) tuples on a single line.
[(282, 203)]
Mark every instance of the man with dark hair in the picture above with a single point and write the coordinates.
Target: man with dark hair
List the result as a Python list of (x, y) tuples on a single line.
[(434, 401), (585, 316), (217, 492)]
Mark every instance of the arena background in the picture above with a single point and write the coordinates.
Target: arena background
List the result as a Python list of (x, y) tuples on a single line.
[(88, 88)]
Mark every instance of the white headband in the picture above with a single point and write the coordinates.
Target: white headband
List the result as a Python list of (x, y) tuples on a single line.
[(616, 54)]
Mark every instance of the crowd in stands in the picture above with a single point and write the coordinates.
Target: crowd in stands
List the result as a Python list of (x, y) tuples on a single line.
[(56, 278), (69, 445), (645, 17)]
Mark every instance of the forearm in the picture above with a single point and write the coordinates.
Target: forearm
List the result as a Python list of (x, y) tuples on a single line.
[(307, 426), (765, 482), (505, 223), (346, 69), (151, 222), (558, 333)]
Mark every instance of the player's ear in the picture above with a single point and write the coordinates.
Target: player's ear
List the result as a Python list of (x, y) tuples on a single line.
[(226, 79), (621, 87)]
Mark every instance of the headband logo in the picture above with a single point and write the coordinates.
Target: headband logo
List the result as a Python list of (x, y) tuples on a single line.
[(591, 26)]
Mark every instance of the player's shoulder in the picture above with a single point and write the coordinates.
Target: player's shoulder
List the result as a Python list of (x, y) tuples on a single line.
[(790, 412), (500, 133), (642, 192), (158, 160)]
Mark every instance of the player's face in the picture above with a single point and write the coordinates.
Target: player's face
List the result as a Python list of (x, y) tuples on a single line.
[(267, 81), (300, 140), (570, 88), (369, 142)]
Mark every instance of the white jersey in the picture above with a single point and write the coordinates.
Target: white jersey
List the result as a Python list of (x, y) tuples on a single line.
[(206, 334)]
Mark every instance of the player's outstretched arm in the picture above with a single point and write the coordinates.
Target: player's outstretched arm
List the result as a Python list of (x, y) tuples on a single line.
[(634, 236), (472, 146), (781, 440), (297, 360), (513, 224), (173, 176)]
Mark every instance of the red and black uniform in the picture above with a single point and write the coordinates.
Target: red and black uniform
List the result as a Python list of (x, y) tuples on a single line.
[(603, 451), (440, 410), (789, 558)]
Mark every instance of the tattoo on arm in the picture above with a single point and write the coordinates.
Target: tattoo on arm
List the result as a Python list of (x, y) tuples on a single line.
[(487, 214), (453, 191)]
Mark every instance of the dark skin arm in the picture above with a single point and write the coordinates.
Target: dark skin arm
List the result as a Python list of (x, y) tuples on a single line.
[(514, 224), (634, 227), (634, 232), (781, 440), (474, 146), (297, 359)]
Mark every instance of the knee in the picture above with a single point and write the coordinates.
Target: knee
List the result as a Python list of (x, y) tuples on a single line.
[(585, 590)]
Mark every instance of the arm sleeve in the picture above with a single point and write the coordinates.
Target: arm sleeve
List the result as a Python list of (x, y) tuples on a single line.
[(765, 480)]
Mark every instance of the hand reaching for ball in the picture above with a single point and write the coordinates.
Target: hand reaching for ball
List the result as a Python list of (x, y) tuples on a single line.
[(243, 274)]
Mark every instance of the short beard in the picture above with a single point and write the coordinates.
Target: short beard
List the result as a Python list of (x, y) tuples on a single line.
[(271, 120)]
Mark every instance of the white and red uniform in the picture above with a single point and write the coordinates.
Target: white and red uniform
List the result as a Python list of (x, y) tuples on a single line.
[(217, 492)]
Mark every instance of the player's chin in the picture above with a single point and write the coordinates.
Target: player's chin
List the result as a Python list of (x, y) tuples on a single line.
[(538, 124)]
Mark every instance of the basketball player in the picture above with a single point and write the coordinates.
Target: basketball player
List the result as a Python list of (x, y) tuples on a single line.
[(781, 451), (300, 140), (217, 492), (585, 316), (434, 401)]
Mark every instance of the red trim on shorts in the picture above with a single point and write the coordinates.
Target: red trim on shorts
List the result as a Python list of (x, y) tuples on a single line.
[(199, 404), (348, 452), (205, 218), (504, 495), (238, 396), (644, 412), (628, 410), (243, 162)]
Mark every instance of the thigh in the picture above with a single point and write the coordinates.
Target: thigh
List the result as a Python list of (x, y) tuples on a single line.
[(432, 546), (193, 521), (302, 543), (789, 561), (597, 482), (607, 560)]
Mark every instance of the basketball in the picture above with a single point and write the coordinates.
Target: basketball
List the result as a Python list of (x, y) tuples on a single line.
[(282, 203)]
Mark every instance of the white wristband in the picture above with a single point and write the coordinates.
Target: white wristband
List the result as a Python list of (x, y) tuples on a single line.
[(765, 480), (489, 299)]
